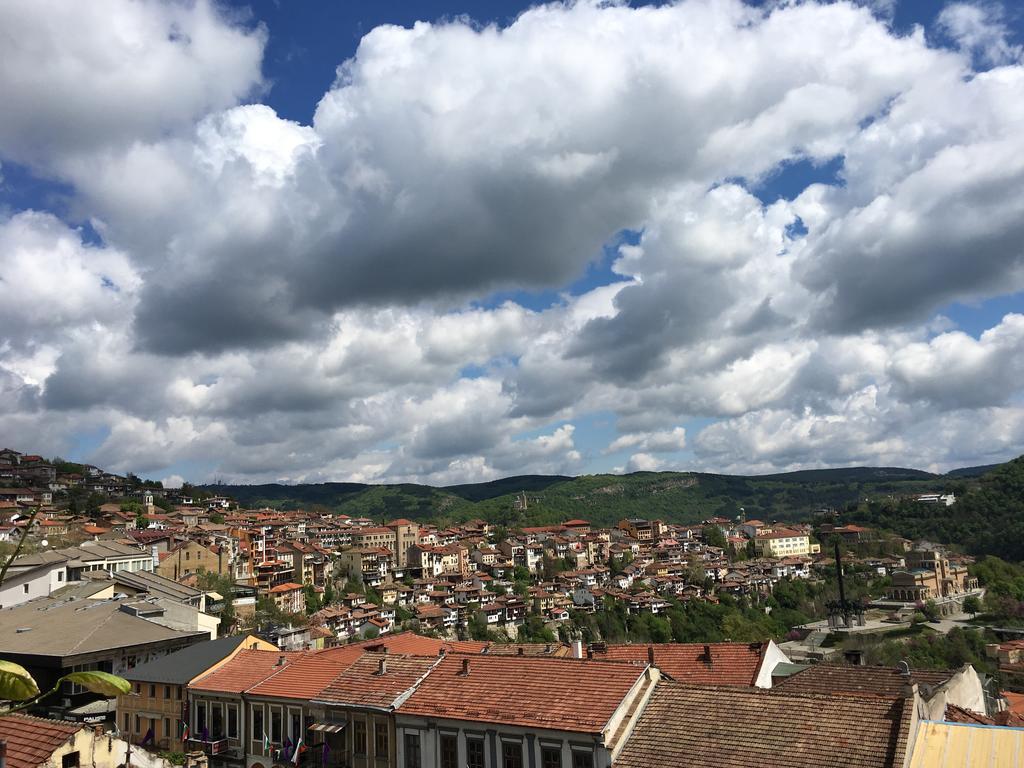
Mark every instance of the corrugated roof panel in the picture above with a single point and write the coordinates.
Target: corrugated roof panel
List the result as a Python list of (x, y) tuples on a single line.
[(964, 745)]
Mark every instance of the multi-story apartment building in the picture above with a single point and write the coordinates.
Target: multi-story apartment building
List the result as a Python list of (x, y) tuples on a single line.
[(783, 543)]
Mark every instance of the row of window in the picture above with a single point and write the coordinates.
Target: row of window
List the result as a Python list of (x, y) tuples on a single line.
[(216, 720), (511, 753), (142, 725), (168, 690)]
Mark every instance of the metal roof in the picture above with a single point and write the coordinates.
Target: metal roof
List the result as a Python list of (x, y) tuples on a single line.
[(182, 666), (939, 745)]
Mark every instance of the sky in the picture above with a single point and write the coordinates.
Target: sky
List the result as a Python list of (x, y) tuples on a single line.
[(406, 242)]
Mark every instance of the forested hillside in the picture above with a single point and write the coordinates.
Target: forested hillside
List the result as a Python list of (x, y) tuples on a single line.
[(685, 497), (988, 518)]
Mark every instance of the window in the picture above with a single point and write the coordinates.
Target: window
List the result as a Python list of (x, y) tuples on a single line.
[(257, 723), (60, 575), (152, 691), (380, 739), (233, 721), (511, 754), (412, 751), (167, 691), (25, 588), (582, 760), (216, 721), (294, 724), (551, 757), (167, 728), (275, 725), (449, 751), (474, 753), (177, 691), (359, 737), (70, 760), (138, 725), (200, 718)]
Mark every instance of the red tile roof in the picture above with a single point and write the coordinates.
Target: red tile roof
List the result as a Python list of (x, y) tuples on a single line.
[(844, 678), (699, 726), (561, 694), (955, 714), (32, 740), (289, 586), (307, 675), (729, 664), (411, 644), (363, 684), (245, 670)]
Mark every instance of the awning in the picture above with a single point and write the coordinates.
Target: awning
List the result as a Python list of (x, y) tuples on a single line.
[(327, 727)]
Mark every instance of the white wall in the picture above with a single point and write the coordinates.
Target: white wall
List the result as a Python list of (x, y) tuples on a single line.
[(40, 582), (773, 656)]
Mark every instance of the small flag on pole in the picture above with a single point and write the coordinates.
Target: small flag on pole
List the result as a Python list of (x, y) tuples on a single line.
[(185, 732), (298, 746), (326, 752), (266, 743)]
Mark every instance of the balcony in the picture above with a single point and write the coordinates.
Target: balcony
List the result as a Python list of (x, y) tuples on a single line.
[(211, 747)]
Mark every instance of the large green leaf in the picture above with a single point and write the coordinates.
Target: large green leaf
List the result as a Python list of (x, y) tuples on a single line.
[(16, 684), (100, 682)]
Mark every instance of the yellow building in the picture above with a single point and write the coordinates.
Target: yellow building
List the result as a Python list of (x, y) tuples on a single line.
[(154, 710), (783, 543), (191, 557)]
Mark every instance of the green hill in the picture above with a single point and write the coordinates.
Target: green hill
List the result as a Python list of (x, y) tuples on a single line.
[(988, 517), (685, 497)]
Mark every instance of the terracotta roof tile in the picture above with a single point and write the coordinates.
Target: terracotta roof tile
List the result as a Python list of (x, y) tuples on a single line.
[(955, 714), (246, 669), (411, 644), (309, 674), (32, 740), (729, 664), (844, 678), (726, 727), (363, 684), (525, 691)]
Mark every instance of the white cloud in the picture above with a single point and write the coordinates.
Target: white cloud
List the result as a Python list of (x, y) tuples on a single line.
[(666, 441), (306, 302), (978, 28), (79, 77)]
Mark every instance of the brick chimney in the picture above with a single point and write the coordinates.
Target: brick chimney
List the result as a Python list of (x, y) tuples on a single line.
[(465, 668)]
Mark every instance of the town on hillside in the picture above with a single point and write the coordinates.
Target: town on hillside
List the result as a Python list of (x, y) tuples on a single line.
[(251, 638)]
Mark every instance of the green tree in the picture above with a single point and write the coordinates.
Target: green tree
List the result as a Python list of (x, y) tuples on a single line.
[(714, 537), (972, 605)]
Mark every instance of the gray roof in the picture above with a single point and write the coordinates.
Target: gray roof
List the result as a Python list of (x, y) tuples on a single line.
[(182, 666), (75, 627), (155, 584), (87, 551), (127, 582)]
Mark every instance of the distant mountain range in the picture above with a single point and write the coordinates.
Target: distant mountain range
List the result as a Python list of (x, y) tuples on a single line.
[(685, 497)]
